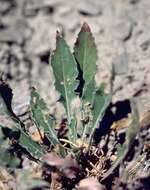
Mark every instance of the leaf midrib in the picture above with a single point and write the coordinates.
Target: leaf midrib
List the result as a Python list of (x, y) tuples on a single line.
[(66, 94), (84, 57)]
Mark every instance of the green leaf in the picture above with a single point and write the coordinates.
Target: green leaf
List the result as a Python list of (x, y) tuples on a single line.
[(73, 130), (65, 71), (30, 145), (135, 126), (41, 117), (7, 158), (25, 141), (89, 93), (85, 53), (100, 103)]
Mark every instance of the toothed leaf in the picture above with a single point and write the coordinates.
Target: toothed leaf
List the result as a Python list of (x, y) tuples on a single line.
[(85, 53), (30, 145), (41, 117), (24, 140), (65, 71), (7, 158)]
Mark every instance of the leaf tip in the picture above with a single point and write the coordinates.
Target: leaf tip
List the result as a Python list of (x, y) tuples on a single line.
[(86, 28), (58, 35), (33, 88)]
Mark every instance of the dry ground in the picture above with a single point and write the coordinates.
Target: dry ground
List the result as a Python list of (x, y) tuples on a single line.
[(121, 29)]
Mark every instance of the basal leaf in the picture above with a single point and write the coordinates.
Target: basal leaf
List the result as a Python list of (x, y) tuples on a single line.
[(85, 53), (65, 72), (7, 158), (73, 130), (41, 117), (89, 93), (24, 140), (100, 102), (134, 128), (31, 146)]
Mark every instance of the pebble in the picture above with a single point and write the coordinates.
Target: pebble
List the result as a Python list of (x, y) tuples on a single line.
[(89, 9)]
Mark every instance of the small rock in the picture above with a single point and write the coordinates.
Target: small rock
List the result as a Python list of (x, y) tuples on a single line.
[(6, 6), (10, 36), (43, 36), (64, 10), (15, 33), (145, 45), (89, 9), (121, 64), (133, 2), (123, 30), (33, 7)]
